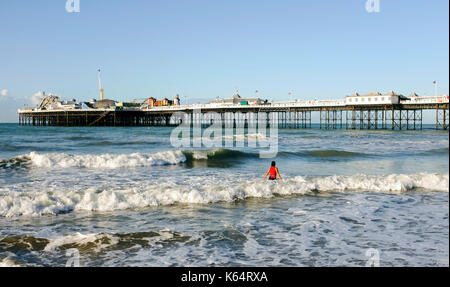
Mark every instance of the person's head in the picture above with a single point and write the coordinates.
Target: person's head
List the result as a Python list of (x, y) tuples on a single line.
[(273, 163)]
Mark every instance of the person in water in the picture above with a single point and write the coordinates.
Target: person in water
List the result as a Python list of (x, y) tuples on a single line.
[(273, 172)]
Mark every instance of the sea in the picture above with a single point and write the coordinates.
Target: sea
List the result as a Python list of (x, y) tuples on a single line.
[(126, 196)]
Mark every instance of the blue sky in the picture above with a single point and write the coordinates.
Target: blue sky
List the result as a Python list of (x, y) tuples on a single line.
[(204, 49)]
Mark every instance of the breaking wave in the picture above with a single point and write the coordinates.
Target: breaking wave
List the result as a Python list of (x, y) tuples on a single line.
[(113, 161), (105, 161), (145, 194), (218, 154)]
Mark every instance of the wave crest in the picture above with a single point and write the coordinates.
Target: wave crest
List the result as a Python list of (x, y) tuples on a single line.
[(145, 194), (104, 161)]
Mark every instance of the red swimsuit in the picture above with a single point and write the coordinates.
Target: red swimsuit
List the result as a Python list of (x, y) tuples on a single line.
[(273, 173)]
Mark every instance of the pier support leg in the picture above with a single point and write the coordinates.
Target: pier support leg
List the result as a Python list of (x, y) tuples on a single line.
[(442, 118)]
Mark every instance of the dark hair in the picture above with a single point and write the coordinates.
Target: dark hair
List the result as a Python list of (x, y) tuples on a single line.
[(273, 163)]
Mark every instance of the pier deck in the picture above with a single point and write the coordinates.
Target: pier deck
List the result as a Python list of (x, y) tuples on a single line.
[(407, 115)]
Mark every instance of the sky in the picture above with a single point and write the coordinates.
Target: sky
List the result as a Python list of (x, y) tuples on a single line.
[(203, 49)]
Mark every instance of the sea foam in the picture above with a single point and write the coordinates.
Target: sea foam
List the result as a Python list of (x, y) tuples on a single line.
[(8, 262), (111, 161)]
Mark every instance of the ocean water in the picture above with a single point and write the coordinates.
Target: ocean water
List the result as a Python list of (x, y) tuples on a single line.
[(126, 197)]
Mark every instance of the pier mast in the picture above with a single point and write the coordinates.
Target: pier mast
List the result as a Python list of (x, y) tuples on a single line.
[(100, 84)]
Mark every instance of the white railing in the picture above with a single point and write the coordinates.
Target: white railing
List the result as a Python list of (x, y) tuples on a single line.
[(312, 103), (426, 100), (287, 104)]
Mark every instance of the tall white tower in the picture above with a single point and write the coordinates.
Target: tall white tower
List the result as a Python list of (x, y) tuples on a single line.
[(100, 85)]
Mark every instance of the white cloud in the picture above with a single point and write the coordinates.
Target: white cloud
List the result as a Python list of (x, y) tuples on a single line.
[(36, 98), (9, 105)]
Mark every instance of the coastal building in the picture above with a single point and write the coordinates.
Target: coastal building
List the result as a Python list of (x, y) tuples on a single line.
[(68, 105), (128, 105), (236, 99), (374, 98), (105, 104), (153, 102)]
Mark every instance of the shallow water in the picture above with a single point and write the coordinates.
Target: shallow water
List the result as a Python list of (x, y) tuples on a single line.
[(125, 197)]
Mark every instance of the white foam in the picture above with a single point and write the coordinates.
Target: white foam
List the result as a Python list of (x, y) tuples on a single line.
[(96, 242), (202, 154), (8, 262), (109, 161), (243, 137), (102, 241), (297, 211), (202, 190)]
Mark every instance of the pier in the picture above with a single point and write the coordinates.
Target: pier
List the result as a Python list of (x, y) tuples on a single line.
[(369, 112)]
